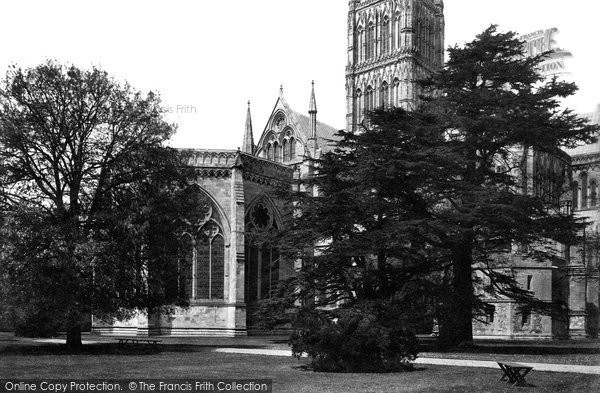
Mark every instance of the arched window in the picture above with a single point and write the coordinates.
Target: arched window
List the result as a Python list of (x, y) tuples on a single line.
[(270, 152), (262, 257), (292, 148), (369, 99), (286, 152), (395, 92), (276, 152), (202, 255), (385, 36), (361, 44), (584, 190), (371, 41), (359, 106), (593, 193), (385, 95), (575, 196)]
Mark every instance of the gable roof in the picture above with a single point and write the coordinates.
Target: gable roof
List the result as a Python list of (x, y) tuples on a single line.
[(301, 125)]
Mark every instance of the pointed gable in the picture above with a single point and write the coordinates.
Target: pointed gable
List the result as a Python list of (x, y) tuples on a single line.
[(286, 127)]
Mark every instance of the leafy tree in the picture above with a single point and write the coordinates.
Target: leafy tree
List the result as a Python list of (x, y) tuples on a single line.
[(497, 112), (86, 189)]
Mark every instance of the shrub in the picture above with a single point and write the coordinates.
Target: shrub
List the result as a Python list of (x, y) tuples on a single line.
[(362, 338)]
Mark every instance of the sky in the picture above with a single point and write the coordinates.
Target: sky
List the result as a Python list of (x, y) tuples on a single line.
[(208, 58)]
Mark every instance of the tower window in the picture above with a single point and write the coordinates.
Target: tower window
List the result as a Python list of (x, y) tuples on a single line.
[(385, 37), (529, 278)]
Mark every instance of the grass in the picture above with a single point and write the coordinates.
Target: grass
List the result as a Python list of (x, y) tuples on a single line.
[(189, 362), (586, 355)]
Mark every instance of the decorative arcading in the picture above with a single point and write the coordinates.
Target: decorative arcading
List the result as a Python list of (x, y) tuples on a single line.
[(212, 158), (263, 180), (586, 161), (213, 172)]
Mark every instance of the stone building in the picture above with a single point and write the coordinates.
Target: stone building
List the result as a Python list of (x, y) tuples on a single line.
[(234, 190), (391, 44)]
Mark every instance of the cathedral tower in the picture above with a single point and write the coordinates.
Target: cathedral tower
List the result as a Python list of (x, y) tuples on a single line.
[(391, 44)]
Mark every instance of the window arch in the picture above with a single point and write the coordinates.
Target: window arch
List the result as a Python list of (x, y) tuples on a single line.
[(385, 95), (395, 92), (270, 151), (202, 249), (593, 193), (285, 148), (276, 152), (369, 99), (359, 106), (385, 36), (370, 47), (575, 196), (584, 190), (262, 256), (292, 148)]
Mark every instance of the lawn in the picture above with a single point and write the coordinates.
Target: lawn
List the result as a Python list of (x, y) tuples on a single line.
[(181, 361)]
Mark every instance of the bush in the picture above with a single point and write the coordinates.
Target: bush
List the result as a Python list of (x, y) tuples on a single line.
[(363, 338)]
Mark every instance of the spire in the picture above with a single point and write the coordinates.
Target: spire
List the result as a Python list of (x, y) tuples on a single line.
[(312, 112), (313, 102), (248, 144)]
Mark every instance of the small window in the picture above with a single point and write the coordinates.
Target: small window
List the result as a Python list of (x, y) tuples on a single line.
[(525, 316), (529, 278), (491, 311)]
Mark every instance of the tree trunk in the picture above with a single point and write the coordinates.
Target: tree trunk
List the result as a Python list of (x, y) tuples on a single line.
[(74, 336), (456, 319)]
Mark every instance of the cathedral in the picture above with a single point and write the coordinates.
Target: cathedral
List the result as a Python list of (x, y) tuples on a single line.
[(391, 44)]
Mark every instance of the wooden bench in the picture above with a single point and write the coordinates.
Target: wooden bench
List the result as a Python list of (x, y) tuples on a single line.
[(137, 341), (514, 373)]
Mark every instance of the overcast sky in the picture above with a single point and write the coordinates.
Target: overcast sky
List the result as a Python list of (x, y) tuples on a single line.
[(208, 58)]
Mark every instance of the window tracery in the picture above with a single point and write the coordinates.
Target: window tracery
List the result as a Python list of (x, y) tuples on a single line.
[(201, 265), (262, 257)]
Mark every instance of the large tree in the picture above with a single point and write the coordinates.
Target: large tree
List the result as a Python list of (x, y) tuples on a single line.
[(498, 112), (86, 187), (360, 292)]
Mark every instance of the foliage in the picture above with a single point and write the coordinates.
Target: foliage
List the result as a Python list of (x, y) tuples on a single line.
[(359, 295), (367, 337), (499, 116), (86, 190)]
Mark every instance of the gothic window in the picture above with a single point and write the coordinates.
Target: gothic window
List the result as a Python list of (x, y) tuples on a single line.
[(359, 106), (276, 152), (385, 37), (286, 153), (584, 190), (396, 92), (385, 95), (593, 193), (369, 99), (262, 257), (371, 41), (270, 152), (575, 196), (279, 123), (361, 45), (292, 148), (202, 249)]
